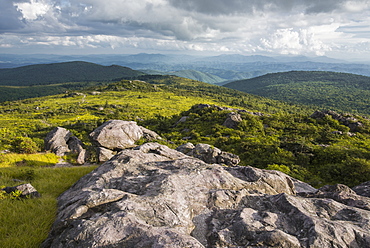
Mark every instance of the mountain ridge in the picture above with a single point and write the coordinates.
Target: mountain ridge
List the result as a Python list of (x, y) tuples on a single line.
[(334, 90), (75, 71)]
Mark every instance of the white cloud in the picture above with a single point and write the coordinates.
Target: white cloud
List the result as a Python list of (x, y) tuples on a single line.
[(33, 9), (288, 41), (276, 26)]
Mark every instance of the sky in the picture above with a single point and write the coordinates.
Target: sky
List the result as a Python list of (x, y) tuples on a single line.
[(333, 28)]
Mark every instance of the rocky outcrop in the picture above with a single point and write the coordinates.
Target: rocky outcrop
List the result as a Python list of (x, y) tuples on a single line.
[(232, 121), (363, 189), (61, 142), (27, 190), (347, 120), (116, 135), (153, 196), (201, 106), (209, 154)]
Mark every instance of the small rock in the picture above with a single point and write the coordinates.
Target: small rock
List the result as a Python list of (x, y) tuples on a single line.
[(232, 120), (27, 190)]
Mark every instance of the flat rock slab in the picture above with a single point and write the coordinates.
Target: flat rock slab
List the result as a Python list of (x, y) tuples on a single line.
[(153, 196)]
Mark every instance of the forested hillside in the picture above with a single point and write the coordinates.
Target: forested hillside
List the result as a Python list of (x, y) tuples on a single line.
[(190, 74), (330, 90), (77, 71), (50, 79)]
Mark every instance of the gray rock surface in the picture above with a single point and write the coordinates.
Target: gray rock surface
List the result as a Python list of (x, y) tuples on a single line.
[(61, 142), (76, 146), (104, 154), (118, 134), (56, 141), (209, 154), (232, 121), (153, 196), (27, 190), (363, 189)]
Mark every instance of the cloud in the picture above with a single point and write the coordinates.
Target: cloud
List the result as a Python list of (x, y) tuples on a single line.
[(33, 9), (276, 26), (288, 41), (10, 17)]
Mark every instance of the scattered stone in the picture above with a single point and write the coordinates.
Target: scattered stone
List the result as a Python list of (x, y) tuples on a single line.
[(27, 190), (347, 120), (337, 132), (116, 135), (343, 194), (201, 106), (186, 148), (182, 120)]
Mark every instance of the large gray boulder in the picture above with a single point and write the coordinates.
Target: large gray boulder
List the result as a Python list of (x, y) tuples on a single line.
[(62, 142), (119, 135), (56, 141), (153, 196)]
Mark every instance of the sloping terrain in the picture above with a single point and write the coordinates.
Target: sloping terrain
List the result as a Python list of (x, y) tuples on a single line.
[(190, 74), (77, 71), (50, 79), (338, 91), (315, 147)]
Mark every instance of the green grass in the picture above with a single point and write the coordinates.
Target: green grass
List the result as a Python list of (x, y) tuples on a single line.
[(26, 222), (32, 160)]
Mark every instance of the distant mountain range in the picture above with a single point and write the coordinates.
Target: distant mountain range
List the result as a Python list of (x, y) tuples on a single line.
[(226, 67)]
